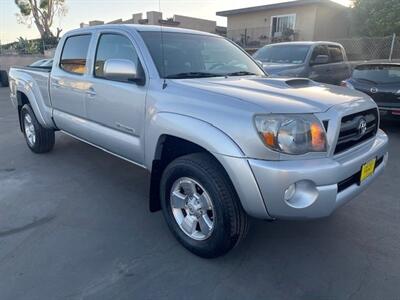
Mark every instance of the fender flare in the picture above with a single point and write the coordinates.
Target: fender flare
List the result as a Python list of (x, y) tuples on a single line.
[(218, 144), (31, 91), (191, 129)]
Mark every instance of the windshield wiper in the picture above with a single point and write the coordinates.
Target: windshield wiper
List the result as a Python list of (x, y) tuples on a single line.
[(192, 75), (240, 73)]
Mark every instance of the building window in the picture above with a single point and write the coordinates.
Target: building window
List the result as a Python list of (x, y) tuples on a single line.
[(281, 25)]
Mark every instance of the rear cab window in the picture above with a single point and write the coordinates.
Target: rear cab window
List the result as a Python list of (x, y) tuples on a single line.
[(74, 54)]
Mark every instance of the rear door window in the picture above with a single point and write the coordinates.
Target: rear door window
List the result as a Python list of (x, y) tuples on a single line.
[(73, 57)]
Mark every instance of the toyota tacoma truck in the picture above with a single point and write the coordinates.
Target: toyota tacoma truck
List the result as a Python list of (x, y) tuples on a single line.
[(221, 140)]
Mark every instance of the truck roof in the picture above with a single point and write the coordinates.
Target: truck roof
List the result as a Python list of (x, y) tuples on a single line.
[(139, 28), (308, 43)]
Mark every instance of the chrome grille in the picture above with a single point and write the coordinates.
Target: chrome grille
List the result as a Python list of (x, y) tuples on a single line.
[(357, 128)]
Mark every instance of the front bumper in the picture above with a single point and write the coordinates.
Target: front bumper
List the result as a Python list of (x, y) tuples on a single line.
[(317, 194)]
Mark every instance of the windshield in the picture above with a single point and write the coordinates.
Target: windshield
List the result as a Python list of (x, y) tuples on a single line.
[(283, 54), (378, 73), (193, 56)]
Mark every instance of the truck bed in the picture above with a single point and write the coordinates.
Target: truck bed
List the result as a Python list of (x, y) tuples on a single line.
[(34, 82)]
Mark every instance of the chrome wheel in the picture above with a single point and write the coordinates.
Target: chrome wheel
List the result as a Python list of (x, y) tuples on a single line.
[(192, 208), (29, 130)]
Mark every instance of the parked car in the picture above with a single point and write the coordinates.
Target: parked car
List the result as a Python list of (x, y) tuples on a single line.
[(381, 81), (221, 140), (324, 62)]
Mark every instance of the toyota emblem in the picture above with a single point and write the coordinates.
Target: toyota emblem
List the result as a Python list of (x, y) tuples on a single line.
[(362, 126)]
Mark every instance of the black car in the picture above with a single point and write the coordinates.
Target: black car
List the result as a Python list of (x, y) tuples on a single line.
[(381, 81)]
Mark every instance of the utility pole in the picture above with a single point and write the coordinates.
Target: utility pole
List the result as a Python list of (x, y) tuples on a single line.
[(392, 47)]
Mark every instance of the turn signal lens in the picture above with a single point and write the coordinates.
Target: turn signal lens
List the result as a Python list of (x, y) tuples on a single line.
[(269, 139), (317, 137)]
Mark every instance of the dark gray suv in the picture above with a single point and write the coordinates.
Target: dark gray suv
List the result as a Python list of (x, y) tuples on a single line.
[(320, 61)]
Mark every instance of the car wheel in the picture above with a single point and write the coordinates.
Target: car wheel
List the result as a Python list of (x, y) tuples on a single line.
[(38, 138), (201, 207), (3, 78)]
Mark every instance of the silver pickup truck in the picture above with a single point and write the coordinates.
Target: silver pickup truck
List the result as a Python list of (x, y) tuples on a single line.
[(221, 139)]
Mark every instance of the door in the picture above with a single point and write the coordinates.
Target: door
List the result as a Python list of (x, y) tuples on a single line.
[(116, 109), (320, 72), (68, 85)]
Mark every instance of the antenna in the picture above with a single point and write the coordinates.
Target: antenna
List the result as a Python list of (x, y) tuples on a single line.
[(162, 49)]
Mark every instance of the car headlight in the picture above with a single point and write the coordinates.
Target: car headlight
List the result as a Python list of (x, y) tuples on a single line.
[(292, 133)]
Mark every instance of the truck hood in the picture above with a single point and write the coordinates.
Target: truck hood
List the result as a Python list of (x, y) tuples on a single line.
[(275, 95)]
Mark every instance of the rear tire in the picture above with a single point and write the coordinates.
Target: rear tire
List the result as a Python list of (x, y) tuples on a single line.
[(38, 138), (217, 222), (4, 78)]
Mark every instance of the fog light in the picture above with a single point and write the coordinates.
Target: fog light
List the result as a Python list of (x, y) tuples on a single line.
[(290, 191)]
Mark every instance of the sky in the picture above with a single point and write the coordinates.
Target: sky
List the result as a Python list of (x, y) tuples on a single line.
[(108, 10)]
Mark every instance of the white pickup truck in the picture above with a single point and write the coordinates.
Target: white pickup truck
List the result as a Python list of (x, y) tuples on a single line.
[(222, 140)]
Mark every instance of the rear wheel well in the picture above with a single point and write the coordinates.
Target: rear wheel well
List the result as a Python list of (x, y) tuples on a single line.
[(22, 100), (168, 148)]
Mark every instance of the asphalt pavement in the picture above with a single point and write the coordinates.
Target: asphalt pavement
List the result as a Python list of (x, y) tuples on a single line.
[(75, 224)]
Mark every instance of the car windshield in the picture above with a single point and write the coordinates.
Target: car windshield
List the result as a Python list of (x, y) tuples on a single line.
[(283, 54), (378, 73), (194, 56)]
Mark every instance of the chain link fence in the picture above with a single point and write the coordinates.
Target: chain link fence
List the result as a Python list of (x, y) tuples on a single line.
[(371, 48), (358, 48)]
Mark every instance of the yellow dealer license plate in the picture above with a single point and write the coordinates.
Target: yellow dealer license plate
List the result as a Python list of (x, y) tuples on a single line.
[(368, 169)]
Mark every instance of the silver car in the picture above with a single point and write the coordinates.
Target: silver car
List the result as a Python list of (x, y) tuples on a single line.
[(221, 139)]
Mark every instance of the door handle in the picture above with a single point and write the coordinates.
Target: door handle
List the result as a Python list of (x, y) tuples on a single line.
[(91, 92)]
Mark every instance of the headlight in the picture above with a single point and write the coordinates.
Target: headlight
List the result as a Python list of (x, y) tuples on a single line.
[(292, 134)]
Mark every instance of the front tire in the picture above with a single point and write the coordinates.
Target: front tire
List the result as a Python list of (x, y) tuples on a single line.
[(38, 138), (201, 207)]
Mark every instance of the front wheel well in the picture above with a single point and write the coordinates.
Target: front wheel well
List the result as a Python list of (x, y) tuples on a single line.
[(168, 149)]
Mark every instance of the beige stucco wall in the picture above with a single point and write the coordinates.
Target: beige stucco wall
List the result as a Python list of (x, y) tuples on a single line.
[(332, 23), (7, 61), (196, 24), (259, 23)]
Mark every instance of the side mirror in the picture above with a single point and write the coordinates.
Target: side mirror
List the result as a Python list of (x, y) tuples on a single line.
[(121, 70), (320, 60)]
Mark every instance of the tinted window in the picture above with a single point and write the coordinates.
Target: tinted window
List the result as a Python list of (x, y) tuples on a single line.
[(73, 57), (377, 73), (113, 46), (319, 50), (283, 54), (194, 55), (335, 54)]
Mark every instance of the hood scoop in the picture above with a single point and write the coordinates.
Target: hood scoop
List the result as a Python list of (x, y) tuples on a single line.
[(300, 83)]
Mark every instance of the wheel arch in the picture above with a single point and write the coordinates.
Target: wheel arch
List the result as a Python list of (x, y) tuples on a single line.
[(27, 91), (173, 135)]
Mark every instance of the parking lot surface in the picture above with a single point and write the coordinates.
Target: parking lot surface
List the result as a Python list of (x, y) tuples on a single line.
[(75, 224)]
